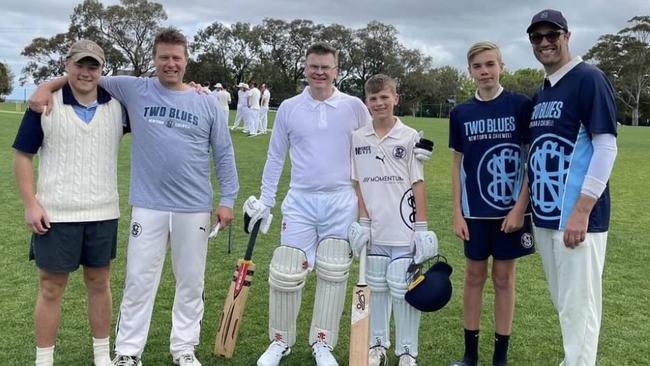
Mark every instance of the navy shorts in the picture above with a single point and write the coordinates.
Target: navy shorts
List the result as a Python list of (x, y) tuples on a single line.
[(66, 245), (486, 238)]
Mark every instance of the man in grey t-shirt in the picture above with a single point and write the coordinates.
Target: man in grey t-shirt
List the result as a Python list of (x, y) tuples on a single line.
[(174, 130)]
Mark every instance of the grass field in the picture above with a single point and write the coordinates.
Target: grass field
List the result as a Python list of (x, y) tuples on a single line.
[(536, 334)]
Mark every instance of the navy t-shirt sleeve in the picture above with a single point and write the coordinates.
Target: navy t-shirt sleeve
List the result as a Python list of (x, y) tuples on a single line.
[(597, 104), (30, 133), (455, 140)]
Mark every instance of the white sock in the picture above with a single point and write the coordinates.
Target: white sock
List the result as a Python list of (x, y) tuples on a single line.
[(44, 356), (101, 352)]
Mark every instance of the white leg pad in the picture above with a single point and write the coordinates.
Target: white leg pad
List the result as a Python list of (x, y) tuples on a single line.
[(287, 274), (333, 260), (407, 318), (380, 301)]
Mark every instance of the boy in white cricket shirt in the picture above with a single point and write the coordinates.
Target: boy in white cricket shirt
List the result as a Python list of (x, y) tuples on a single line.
[(392, 210)]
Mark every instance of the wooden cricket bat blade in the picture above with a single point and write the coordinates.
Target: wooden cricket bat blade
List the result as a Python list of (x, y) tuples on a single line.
[(360, 323), (233, 309)]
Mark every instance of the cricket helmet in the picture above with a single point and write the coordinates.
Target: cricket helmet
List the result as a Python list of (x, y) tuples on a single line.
[(431, 291)]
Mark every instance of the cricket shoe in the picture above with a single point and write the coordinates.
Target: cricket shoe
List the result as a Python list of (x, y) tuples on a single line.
[(273, 354), (407, 360), (187, 359), (463, 363), (120, 360), (377, 356), (323, 354)]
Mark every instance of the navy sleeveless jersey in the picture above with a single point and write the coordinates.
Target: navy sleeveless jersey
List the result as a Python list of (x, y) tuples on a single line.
[(490, 135), (564, 116)]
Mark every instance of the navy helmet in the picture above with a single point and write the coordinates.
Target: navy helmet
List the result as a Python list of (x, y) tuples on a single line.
[(431, 291)]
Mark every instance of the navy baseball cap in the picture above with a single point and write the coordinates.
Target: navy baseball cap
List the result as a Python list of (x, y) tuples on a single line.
[(550, 16)]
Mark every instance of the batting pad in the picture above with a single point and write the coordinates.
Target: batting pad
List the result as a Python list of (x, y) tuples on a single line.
[(407, 318), (379, 300), (333, 260), (287, 274)]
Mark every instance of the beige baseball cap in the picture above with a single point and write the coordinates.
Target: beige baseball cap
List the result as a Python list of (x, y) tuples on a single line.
[(219, 86), (86, 48)]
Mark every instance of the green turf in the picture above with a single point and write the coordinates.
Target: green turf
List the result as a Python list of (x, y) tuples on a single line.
[(536, 335)]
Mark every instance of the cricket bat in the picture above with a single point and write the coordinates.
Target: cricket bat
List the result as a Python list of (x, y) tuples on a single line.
[(233, 309), (360, 326)]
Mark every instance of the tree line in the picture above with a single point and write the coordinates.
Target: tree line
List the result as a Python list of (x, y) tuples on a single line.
[(273, 52)]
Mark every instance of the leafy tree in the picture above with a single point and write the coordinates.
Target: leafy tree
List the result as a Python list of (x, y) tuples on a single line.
[(524, 81), (6, 81), (125, 32), (128, 29), (624, 58)]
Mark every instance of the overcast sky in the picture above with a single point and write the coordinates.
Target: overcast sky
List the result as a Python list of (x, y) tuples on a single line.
[(441, 29)]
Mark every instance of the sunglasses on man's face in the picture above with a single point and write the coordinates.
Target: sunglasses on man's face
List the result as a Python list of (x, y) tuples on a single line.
[(551, 37)]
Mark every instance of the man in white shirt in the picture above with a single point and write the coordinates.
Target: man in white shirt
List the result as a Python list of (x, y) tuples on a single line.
[(223, 97), (242, 105), (316, 127), (264, 108), (253, 117)]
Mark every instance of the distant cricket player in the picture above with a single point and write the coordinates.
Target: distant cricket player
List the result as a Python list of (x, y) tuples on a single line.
[(74, 210), (392, 220)]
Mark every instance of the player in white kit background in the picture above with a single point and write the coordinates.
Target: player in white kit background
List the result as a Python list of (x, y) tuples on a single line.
[(392, 220), (176, 129), (223, 97), (242, 105), (264, 108), (253, 115)]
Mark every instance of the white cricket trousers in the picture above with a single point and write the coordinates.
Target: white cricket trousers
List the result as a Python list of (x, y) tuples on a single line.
[(252, 120), (574, 279), (151, 230), (264, 119), (239, 116)]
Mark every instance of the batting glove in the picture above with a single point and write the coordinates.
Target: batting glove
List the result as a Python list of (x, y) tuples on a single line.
[(423, 148), (254, 211), (425, 242), (359, 235)]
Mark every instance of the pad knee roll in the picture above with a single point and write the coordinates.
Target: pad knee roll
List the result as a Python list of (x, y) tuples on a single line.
[(333, 261), (407, 318), (287, 274)]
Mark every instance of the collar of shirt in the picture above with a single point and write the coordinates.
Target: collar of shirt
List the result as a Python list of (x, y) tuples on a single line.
[(68, 97), (478, 97), (393, 133), (332, 101), (555, 77)]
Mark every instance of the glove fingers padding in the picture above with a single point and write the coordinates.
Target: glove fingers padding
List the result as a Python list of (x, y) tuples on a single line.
[(255, 210), (359, 235)]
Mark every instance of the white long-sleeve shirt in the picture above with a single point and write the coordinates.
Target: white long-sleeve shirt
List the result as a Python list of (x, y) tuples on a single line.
[(318, 137)]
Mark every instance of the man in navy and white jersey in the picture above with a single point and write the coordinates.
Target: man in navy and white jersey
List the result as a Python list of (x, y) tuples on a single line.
[(572, 153), (487, 135)]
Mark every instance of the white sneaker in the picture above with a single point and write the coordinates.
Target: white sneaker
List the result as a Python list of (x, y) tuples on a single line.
[(323, 354), (377, 356), (121, 360), (273, 354), (187, 359), (407, 360)]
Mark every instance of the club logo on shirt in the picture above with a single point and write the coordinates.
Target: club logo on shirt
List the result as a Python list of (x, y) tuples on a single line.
[(500, 175), (399, 152), (527, 240), (407, 208), (549, 162), (136, 229)]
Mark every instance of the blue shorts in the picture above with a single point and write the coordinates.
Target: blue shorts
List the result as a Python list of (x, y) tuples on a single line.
[(67, 245), (486, 238)]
